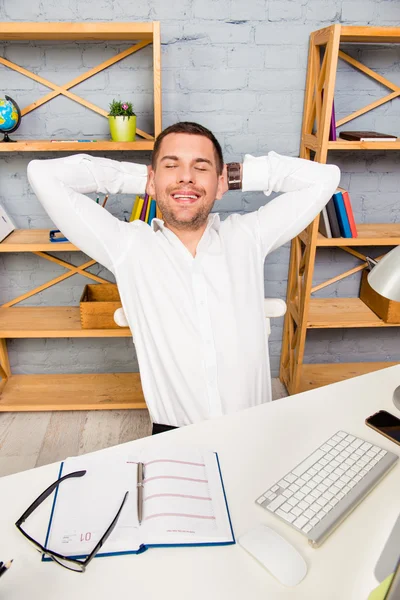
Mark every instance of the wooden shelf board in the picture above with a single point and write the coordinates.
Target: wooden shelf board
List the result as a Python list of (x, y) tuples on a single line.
[(76, 31), (64, 146), (34, 240), (333, 313), (373, 35), (345, 145), (315, 376), (50, 322), (97, 391), (369, 234)]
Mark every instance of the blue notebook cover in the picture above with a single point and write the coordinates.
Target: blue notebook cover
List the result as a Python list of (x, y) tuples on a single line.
[(144, 547), (341, 214), (153, 209)]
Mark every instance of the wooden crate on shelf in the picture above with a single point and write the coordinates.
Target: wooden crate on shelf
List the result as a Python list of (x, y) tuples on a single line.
[(98, 304), (387, 310)]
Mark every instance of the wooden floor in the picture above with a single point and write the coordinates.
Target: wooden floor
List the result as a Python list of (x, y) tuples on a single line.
[(33, 439)]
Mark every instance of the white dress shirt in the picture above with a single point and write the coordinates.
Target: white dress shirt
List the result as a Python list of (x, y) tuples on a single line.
[(198, 322)]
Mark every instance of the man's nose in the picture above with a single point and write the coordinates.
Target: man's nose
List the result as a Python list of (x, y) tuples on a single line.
[(185, 175)]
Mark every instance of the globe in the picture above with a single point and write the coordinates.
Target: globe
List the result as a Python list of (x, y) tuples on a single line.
[(10, 117)]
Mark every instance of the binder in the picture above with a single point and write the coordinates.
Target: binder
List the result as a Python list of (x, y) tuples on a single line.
[(341, 214)]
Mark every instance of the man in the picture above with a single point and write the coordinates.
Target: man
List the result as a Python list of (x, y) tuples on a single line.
[(191, 286)]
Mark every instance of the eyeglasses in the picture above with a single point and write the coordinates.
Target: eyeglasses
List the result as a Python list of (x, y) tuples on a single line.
[(73, 564)]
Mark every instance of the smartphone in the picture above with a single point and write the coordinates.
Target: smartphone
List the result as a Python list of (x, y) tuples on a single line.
[(386, 424)]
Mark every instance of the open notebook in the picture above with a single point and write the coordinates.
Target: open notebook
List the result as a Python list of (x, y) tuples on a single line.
[(184, 503)]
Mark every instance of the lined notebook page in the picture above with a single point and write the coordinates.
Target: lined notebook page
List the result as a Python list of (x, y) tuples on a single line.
[(183, 503)]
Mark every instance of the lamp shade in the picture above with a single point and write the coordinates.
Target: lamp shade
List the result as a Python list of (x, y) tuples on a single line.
[(385, 276)]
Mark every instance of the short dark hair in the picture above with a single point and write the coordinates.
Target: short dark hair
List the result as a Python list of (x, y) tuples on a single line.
[(191, 129)]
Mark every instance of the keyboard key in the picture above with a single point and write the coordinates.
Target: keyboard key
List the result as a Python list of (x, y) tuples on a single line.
[(375, 449), (323, 461), (321, 501), (303, 505), (340, 495), (350, 438), (296, 511), (293, 488), (306, 489), (283, 484), (287, 516), (306, 477), (346, 489), (314, 521), (356, 444), (275, 488), (325, 448), (341, 434), (261, 499), (286, 507), (287, 493), (276, 503), (307, 528), (334, 501), (309, 513), (323, 473), (306, 464), (327, 508), (315, 493), (300, 522), (290, 478), (299, 495), (315, 507), (366, 446), (321, 514), (271, 496), (292, 502), (312, 471)]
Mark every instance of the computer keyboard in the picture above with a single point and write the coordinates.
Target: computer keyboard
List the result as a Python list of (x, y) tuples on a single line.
[(319, 492)]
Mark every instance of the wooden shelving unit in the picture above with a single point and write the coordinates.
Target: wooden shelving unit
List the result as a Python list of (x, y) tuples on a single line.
[(69, 391), (306, 312)]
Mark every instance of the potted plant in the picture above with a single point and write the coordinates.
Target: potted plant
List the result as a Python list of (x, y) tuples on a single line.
[(122, 121)]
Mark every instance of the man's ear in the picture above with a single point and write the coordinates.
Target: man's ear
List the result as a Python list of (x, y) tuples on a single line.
[(150, 189), (222, 184)]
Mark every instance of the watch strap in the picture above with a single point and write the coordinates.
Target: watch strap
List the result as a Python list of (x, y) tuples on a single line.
[(233, 175)]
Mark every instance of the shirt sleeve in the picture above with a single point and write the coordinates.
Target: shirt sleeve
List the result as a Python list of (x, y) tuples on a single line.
[(61, 184), (307, 186)]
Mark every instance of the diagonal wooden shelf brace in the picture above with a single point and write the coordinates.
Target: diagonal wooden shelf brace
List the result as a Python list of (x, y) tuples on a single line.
[(72, 270), (64, 90)]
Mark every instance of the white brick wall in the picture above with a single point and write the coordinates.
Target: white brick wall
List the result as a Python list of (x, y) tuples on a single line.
[(237, 67)]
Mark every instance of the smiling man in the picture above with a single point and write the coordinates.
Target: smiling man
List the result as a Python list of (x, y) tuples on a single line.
[(192, 286)]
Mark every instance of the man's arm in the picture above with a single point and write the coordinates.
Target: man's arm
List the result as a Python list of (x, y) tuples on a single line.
[(61, 184), (307, 187)]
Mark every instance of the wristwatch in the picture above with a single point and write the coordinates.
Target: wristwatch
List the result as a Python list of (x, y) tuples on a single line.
[(234, 178)]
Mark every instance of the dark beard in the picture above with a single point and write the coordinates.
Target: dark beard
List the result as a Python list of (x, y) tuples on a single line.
[(195, 223)]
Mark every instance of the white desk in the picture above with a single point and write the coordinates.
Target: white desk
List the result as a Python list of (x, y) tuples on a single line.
[(256, 447)]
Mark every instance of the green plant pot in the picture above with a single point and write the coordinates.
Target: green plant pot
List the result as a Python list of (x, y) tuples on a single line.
[(122, 129)]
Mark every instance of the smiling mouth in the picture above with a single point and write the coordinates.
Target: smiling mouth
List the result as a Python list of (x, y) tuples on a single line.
[(185, 197)]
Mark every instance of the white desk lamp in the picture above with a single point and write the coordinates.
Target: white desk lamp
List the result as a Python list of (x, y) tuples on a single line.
[(384, 278)]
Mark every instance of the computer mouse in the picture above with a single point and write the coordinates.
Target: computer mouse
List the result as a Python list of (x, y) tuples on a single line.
[(275, 554)]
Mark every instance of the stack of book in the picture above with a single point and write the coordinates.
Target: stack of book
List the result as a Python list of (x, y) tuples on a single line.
[(143, 209), (337, 219)]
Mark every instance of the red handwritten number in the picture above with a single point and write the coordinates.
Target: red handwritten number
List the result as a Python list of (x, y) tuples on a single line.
[(86, 537)]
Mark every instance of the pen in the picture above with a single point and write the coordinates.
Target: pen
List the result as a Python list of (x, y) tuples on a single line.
[(140, 491), (65, 141), (105, 200), (4, 567)]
